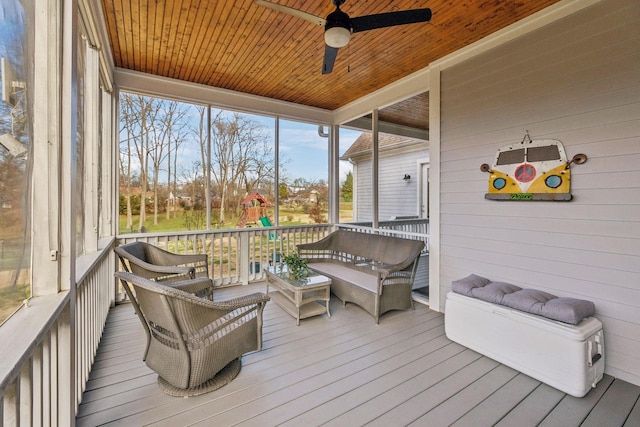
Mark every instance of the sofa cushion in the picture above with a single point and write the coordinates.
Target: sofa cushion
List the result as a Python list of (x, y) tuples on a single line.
[(346, 272)]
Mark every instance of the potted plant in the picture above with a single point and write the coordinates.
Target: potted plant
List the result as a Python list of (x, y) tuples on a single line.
[(296, 266)]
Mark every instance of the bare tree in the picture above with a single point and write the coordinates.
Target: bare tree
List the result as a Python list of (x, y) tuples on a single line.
[(151, 132), (141, 112), (128, 117), (169, 124), (242, 157)]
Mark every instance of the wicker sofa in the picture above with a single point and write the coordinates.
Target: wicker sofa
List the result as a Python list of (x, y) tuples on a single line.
[(373, 271)]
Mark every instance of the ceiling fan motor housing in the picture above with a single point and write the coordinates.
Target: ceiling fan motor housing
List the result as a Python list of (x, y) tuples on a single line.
[(338, 18), (337, 30)]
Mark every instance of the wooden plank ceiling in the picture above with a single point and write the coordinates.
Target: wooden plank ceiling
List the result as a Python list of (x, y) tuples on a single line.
[(244, 47)]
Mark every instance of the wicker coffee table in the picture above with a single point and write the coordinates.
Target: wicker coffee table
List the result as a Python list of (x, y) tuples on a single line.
[(299, 298)]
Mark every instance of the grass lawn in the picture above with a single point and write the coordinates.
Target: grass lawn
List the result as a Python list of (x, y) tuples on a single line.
[(177, 222)]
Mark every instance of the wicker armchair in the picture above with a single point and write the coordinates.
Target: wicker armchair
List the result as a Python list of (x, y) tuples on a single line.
[(189, 273), (159, 265), (193, 344)]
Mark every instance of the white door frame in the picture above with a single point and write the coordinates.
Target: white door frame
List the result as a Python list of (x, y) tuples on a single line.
[(423, 194)]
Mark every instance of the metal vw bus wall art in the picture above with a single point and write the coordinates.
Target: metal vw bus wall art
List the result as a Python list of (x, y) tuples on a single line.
[(531, 170)]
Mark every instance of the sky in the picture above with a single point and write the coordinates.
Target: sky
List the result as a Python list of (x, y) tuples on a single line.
[(308, 153), (303, 153)]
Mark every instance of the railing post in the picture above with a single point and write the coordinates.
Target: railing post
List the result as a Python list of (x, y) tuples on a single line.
[(9, 409), (243, 257), (26, 396)]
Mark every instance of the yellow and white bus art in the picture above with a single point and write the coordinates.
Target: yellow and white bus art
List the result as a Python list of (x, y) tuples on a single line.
[(531, 170)]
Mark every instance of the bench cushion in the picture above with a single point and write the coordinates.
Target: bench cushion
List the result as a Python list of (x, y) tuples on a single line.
[(564, 309)]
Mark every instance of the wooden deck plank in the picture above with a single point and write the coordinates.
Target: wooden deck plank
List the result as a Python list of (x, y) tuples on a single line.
[(494, 408), (572, 411), (343, 370), (463, 401), (534, 408), (615, 405), (634, 416)]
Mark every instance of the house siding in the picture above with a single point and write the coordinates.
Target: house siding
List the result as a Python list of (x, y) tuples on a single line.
[(576, 80), (396, 197)]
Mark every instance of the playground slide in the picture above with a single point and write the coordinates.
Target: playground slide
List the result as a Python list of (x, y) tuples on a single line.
[(265, 221)]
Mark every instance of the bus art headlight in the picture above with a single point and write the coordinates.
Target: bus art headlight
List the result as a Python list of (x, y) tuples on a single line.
[(499, 183), (553, 181)]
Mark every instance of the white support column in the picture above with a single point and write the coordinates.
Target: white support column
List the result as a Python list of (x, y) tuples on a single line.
[(374, 167), (66, 357), (334, 174), (114, 139), (207, 176), (108, 180), (434, 190), (276, 169), (45, 153), (91, 149)]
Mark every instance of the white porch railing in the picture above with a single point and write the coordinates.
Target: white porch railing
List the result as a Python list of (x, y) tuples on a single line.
[(236, 256), (49, 345)]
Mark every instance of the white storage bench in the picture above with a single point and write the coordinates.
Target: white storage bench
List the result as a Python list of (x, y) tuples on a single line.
[(554, 340)]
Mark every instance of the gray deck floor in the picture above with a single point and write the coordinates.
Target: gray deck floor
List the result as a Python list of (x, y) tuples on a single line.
[(344, 371)]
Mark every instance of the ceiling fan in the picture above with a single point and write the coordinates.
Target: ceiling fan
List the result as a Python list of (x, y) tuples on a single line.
[(338, 26)]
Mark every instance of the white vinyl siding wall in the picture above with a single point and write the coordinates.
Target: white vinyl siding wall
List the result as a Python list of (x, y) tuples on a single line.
[(576, 80), (396, 197)]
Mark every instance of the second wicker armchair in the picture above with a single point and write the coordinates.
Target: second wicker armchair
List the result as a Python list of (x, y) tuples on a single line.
[(194, 345)]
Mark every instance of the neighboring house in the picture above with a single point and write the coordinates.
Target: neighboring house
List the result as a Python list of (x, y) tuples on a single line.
[(402, 185), (402, 177)]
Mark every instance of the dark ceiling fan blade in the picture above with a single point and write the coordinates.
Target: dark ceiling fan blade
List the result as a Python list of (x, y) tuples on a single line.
[(295, 12), (390, 19), (330, 54)]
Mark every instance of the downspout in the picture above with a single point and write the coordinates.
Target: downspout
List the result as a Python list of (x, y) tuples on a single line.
[(321, 132), (354, 190)]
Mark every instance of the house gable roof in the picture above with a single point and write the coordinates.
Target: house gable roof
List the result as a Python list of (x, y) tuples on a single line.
[(364, 144)]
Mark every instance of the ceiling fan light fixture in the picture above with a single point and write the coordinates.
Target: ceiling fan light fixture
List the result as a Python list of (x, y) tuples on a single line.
[(337, 36)]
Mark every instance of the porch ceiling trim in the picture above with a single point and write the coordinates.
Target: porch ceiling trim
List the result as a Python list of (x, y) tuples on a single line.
[(149, 84)]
